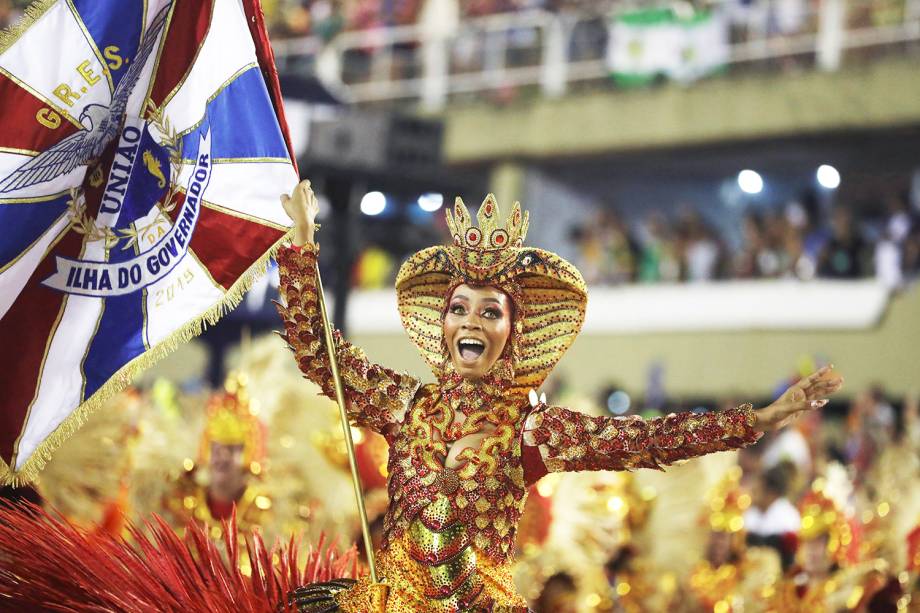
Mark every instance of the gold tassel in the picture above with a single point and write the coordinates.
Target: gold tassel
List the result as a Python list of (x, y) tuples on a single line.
[(32, 14), (126, 373)]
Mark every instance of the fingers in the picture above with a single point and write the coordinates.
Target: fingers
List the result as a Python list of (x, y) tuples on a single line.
[(782, 413), (794, 409), (815, 376), (825, 387), (305, 192), (820, 382), (807, 405), (829, 387), (304, 188)]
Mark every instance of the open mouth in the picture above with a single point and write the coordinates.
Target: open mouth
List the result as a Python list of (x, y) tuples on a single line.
[(470, 349)]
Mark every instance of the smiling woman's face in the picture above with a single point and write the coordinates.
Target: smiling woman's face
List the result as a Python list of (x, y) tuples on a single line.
[(476, 328)]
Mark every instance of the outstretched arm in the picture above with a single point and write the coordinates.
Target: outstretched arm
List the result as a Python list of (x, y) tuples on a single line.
[(570, 441), (573, 441), (375, 396)]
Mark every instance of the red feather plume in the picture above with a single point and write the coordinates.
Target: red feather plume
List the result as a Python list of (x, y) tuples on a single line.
[(49, 564)]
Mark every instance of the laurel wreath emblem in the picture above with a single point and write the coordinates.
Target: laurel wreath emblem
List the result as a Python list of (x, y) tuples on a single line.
[(83, 224)]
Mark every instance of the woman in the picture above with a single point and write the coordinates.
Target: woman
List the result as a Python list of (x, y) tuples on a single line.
[(492, 318)]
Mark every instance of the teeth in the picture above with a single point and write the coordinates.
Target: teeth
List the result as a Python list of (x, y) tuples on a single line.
[(471, 341)]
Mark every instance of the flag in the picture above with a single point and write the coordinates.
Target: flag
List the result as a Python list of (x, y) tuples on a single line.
[(642, 46), (142, 151), (649, 44), (703, 46)]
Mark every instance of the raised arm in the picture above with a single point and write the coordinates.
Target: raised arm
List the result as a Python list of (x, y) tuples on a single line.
[(375, 396), (571, 441)]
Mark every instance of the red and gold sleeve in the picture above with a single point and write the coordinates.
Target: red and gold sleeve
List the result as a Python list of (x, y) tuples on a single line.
[(571, 441), (375, 396)]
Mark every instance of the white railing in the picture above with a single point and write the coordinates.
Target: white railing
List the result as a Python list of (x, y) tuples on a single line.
[(553, 51)]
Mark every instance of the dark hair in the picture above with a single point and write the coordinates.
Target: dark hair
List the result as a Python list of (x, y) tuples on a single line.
[(561, 580), (621, 560), (777, 478)]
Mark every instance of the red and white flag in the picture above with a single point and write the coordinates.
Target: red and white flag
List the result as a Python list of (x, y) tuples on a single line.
[(142, 150)]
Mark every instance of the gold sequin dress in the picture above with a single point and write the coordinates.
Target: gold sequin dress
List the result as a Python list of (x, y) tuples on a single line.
[(449, 532)]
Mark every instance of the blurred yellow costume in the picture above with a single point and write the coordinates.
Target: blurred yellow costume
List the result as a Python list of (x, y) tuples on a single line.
[(718, 588), (849, 585), (736, 584)]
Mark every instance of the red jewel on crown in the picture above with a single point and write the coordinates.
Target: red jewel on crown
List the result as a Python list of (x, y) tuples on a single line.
[(499, 238)]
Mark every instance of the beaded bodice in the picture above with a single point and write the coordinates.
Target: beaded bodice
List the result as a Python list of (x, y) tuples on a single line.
[(486, 488)]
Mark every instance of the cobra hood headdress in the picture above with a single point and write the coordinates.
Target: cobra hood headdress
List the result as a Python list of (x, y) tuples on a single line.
[(548, 293)]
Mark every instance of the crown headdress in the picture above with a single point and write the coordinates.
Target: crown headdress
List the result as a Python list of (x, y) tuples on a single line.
[(493, 232), (232, 421), (549, 293)]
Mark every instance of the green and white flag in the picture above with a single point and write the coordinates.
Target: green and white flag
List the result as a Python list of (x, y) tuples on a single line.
[(703, 46), (652, 43)]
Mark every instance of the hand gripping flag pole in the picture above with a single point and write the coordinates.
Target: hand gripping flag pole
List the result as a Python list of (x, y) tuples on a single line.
[(379, 591)]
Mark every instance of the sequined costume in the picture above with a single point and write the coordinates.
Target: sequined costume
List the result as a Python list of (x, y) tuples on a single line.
[(449, 532)]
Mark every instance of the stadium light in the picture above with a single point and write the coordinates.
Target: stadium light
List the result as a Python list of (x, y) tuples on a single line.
[(373, 203), (828, 177), (750, 182), (430, 202), (618, 402)]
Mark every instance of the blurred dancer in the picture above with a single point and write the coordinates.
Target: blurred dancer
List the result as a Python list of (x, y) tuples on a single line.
[(230, 461), (729, 578), (492, 318), (772, 520), (558, 595), (827, 576)]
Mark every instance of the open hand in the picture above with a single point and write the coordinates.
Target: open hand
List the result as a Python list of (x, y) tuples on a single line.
[(806, 395), (301, 206)]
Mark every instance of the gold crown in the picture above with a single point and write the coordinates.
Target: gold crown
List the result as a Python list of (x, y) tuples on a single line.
[(492, 233), (232, 421), (227, 427)]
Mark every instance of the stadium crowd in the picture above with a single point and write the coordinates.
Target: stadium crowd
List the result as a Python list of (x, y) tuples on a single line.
[(789, 243)]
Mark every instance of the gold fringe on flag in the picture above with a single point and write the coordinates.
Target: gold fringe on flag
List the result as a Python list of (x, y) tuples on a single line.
[(32, 14), (124, 376)]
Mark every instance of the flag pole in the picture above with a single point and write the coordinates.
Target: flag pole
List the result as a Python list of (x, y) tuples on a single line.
[(346, 430)]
